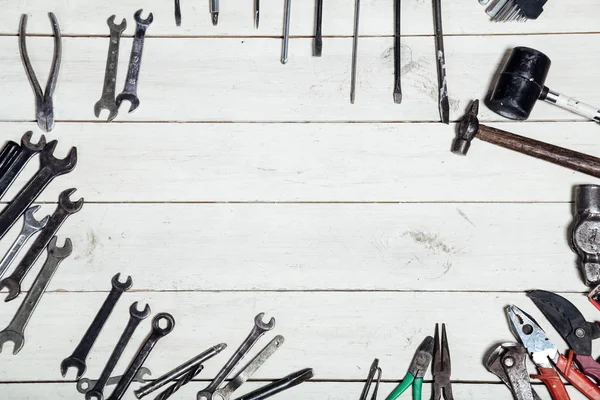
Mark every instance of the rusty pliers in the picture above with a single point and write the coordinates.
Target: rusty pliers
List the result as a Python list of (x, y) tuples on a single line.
[(44, 107), (441, 366)]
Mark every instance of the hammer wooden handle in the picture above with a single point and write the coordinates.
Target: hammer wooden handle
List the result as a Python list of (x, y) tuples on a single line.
[(557, 155)]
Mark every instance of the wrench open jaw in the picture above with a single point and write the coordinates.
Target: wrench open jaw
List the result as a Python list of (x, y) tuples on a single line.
[(30, 220), (15, 331), (107, 101), (64, 201)]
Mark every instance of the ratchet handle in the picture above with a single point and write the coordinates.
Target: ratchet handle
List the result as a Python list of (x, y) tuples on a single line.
[(552, 380), (576, 378)]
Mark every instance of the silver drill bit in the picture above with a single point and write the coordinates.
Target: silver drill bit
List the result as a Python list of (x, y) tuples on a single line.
[(214, 11), (286, 32), (354, 51), (397, 54), (256, 13), (318, 29), (443, 104)]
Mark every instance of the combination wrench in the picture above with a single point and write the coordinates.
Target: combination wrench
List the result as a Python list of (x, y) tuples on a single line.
[(77, 359), (156, 334), (15, 331), (258, 330), (107, 101), (50, 168), (64, 208), (226, 391), (129, 92), (84, 385), (135, 317), (20, 159), (7, 155), (30, 227)]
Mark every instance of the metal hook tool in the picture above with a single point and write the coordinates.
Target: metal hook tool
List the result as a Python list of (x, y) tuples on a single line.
[(44, 107)]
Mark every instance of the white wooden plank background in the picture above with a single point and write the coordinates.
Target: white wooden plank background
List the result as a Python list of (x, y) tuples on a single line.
[(241, 185)]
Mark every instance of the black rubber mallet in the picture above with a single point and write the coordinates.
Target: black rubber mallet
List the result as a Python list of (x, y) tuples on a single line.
[(521, 84)]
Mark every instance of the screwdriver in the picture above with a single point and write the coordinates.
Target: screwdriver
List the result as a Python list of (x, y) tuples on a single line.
[(318, 27), (397, 55), (444, 105), (354, 52), (286, 32), (256, 12), (214, 11)]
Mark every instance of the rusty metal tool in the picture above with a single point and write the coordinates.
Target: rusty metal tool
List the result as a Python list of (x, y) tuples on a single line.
[(77, 359), (470, 128), (44, 105), (15, 331), (443, 102)]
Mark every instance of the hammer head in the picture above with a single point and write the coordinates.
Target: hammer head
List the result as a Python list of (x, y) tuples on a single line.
[(520, 84), (467, 129)]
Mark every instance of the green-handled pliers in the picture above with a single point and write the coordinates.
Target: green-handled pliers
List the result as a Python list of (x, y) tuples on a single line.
[(416, 371)]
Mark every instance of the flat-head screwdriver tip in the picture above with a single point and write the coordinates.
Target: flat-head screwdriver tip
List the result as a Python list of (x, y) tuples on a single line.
[(215, 18)]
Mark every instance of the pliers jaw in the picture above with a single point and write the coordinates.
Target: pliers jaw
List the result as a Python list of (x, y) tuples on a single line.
[(44, 111), (373, 371), (441, 366)]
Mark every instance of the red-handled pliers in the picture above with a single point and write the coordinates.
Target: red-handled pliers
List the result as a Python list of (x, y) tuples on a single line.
[(546, 357)]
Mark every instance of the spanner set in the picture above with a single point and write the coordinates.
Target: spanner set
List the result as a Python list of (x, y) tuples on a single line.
[(109, 100)]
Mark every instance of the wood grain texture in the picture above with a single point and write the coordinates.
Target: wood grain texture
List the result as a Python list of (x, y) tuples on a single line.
[(337, 334), (225, 79)]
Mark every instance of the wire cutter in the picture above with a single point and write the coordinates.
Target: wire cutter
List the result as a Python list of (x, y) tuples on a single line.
[(572, 326), (416, 371), (441, 366), (546, 357), (371, 380), (44, 107)]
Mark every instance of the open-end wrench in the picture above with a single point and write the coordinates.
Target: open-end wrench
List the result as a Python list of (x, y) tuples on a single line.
[(84, 385), (143, 353), (77, 359), (7, 155), (135, 317), (64, 208), (285, 383), (245, 373), (30, 227), (108, 101), (50, 168), (129, 92), (15, 331), (259, 329), (18, 162)]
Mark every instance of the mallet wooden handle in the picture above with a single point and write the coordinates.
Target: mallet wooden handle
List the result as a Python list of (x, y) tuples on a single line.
[(557, 155)]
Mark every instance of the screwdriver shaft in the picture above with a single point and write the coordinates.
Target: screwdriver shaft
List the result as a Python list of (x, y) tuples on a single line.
[(397, 53), (318, 27), (354, 52), (286, 32), (256, 13), (214, 11), (443, 104)]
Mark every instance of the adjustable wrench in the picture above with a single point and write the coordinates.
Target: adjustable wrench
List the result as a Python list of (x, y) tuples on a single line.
[(258, 330), (21, 158), (143, 353), (107, 101), (15, 331), (84, 385), (50, 168), (77, 359), (246, 373), (30, 227), (64, 208), (135, 317), (129, 92)]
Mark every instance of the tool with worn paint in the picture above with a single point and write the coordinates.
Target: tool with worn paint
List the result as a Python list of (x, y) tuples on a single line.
[(513, 10), (522, 82), (214, 11), (416, 371), (548, 359), (354, 51), (470, 128), (440, 55), (508, 362), (286, 31), (397, 52), (572, 326), (372, 381), (318, 44), (585, 240), (44, 105)]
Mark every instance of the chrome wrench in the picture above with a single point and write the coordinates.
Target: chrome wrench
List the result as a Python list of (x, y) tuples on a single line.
[(64, 208), (30, 227), (129, 92), (77, 359), (249, 370), (258, 330), (143, 353), (84, 385), (15, 331), (26, 151), (107, 101), (135, 317)]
